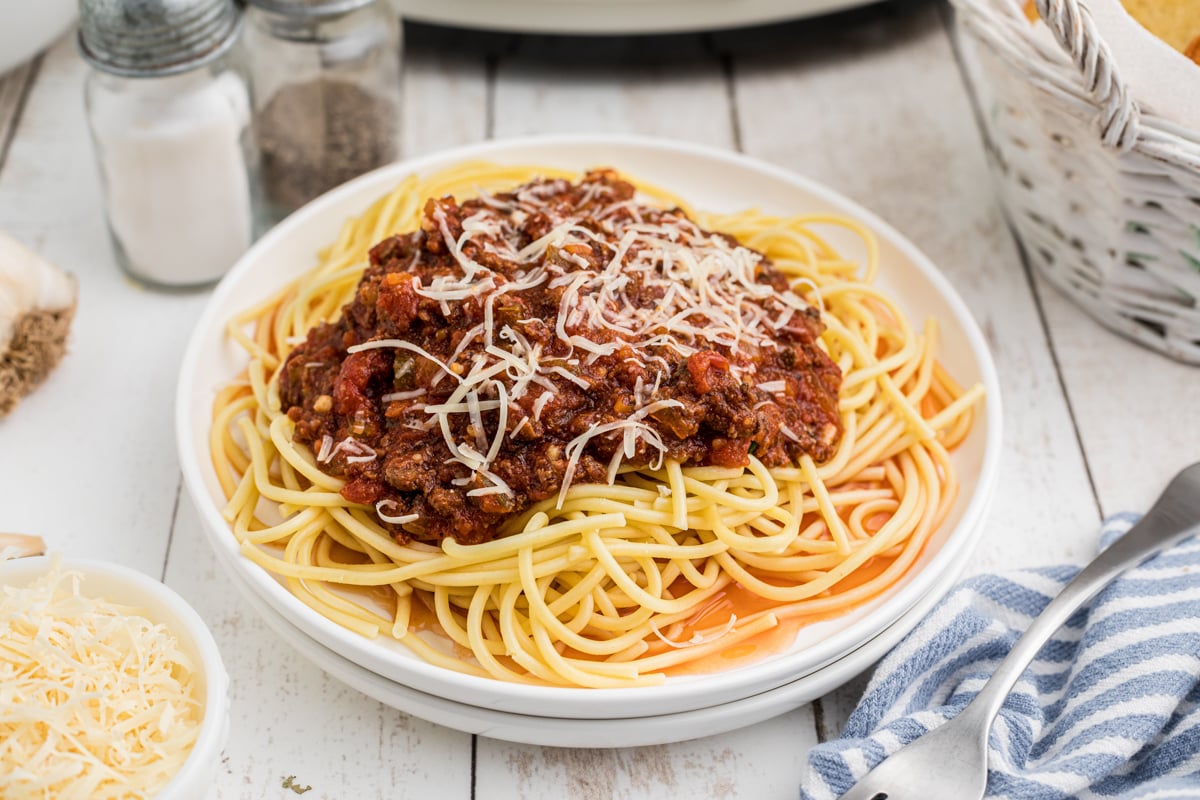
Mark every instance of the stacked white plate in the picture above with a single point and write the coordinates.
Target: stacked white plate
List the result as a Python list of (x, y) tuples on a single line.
[(824, 655)]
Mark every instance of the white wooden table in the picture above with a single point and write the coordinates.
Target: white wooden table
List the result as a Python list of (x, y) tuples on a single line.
[(870, 102)]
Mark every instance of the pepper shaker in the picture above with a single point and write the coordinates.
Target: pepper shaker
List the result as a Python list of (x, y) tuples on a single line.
[(325, 88), (168, 108)]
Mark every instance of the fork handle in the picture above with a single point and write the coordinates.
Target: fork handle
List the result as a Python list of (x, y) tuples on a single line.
[(1173, 517)]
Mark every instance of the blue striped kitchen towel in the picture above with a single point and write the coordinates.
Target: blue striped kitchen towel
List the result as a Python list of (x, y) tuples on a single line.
[(1110, 707)]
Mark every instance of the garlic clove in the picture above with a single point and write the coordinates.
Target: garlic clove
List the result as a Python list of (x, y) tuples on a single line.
[(37, 304), (20, 545)]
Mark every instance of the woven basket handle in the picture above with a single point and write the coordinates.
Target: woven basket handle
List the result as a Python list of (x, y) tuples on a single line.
[(1072, 25)]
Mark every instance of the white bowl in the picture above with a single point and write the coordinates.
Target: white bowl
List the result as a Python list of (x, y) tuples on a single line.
[(159, 604), (26, 28), (711, 179)]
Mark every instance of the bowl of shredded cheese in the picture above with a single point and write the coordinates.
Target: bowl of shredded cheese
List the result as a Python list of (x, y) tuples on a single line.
[(111, 686)]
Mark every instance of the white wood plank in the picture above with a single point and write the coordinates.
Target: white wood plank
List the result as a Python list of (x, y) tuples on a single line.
[(834, 709), (1138, 413), (445, 88), (672, 87), (871, 103), (97, 475), (13, 85), (289, 718), (763, 761)]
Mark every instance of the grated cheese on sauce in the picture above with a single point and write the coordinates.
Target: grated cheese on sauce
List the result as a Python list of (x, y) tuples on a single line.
[(710, 297), (96, 701)]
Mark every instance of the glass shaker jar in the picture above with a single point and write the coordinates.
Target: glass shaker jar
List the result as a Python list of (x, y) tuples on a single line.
[(168, 108), (325, 88)]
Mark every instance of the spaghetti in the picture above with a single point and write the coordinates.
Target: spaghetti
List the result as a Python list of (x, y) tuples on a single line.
[(607, 583)]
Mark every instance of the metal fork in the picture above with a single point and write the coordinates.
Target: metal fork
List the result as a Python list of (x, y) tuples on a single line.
[(950, 761)]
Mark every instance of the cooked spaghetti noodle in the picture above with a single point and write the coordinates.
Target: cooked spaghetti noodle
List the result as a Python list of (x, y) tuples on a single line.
[(618, 583)]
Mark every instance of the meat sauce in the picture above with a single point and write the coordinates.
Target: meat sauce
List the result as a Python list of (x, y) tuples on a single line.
[(548, 335)]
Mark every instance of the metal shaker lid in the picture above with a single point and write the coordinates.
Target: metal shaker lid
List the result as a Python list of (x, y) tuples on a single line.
[(309, 8), (155, 37)]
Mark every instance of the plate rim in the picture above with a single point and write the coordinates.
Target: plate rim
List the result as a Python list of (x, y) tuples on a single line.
[(676, 692), (636, 17)]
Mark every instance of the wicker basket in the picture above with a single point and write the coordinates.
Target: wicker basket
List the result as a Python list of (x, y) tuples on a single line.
[(1104, 195)]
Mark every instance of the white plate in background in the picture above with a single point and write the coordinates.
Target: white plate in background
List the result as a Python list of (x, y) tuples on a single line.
[(27, 28), (591, 17)]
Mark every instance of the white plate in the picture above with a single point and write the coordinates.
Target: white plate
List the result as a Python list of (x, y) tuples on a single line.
[(627, 732), (711, 179), (613, 16)]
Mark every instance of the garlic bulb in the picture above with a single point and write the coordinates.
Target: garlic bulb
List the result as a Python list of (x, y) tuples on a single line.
[(37, 303)]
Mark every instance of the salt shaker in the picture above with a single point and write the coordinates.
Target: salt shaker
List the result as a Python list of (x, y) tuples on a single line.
[(169, 113), (325, 87)]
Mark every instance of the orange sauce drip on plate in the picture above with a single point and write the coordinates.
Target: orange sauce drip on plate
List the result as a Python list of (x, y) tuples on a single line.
[(736, 599)]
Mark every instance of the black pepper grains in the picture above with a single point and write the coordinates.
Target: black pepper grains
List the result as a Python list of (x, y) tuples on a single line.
[(316, 135)]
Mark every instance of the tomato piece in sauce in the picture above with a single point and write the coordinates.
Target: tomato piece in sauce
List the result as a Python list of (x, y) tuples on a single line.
[(707, 369)]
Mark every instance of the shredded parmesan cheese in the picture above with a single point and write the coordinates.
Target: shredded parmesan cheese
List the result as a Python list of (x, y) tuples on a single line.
[(697, 638), (95, 700), (710, 296), (395, 519)]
